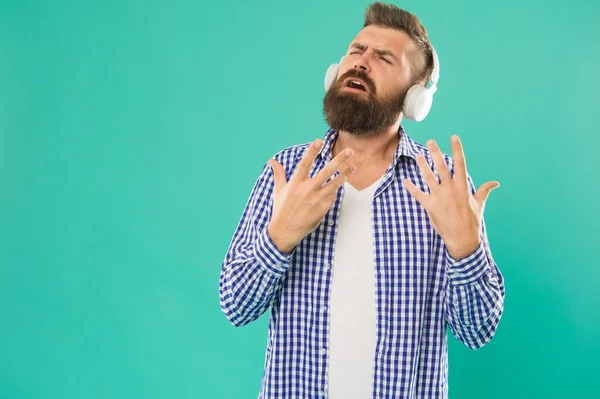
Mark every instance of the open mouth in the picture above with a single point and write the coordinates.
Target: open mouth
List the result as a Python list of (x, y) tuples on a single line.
[(354, 85)]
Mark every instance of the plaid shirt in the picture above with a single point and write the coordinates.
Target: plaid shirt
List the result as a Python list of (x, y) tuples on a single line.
[(420, 288)]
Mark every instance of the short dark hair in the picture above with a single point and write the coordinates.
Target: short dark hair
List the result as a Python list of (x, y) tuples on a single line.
[(391, 16)]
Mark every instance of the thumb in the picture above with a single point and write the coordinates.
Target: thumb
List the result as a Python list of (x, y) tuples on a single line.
[(278, 174), (484, 191)]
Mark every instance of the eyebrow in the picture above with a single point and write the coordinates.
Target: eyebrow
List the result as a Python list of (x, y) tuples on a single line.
[(362, 47)]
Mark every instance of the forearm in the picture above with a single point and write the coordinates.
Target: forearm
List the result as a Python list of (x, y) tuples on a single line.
[(475, 297), (251, 279)]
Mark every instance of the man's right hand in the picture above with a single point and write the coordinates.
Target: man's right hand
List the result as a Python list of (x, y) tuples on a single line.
[(300, 204)]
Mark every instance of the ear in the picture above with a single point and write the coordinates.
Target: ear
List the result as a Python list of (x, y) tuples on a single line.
[(423, 80), (426, 78)]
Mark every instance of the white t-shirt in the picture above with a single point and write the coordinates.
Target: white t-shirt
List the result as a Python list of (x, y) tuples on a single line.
[(353, 318)]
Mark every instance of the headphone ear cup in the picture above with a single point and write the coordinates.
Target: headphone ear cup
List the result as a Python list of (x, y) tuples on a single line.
[(417, 103), (331, 75)]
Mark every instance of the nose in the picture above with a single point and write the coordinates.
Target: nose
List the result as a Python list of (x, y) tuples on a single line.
[(361, 65)]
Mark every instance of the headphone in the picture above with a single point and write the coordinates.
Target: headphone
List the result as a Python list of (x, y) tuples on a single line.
[(419, 98)]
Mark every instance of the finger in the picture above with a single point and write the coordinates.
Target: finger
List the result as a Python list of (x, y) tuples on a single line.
[(439, 162), (305, 164), (278, 175), (334, 184), (484, 191), (344, 167), (426, 172), (460, 164), (332, 166), (415, 192)]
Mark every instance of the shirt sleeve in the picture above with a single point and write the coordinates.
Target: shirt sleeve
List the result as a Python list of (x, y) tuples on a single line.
[(475, 293), (253, 270)]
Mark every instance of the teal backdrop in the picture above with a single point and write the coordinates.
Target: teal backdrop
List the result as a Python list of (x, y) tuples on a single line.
[(131, 134)]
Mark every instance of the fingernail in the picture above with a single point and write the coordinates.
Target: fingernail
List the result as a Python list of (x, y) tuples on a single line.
[(348, 152), (319, 143)]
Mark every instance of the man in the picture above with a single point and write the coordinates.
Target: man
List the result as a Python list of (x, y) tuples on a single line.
[(365, 245)]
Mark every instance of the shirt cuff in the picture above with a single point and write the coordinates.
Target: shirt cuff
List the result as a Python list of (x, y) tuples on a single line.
[(468, 269), (269, 256)]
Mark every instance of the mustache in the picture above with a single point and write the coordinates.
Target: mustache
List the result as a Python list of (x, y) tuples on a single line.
[(355, 73)]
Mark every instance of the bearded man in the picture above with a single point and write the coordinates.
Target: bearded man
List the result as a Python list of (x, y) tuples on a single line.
[(366, 245)]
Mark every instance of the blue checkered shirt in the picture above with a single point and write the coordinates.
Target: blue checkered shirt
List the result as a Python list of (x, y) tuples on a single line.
[(420, 289)]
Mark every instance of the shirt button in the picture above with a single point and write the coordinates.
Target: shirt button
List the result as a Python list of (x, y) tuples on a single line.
[(324, 308), (331, 222), (328, 265), (323, 351)]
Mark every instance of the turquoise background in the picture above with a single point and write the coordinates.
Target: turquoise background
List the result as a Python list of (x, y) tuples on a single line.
[(131, 134)]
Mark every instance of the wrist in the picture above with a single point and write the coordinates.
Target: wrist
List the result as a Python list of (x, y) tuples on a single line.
[(461, 252), (285, 246)]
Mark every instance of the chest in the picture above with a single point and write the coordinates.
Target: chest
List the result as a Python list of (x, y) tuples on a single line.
[(407, 253)]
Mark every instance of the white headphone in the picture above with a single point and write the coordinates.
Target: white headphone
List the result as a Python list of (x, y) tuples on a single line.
[(418, 98)]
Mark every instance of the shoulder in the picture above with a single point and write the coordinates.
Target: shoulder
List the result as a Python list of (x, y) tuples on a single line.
[(291, 154), (289, 157)]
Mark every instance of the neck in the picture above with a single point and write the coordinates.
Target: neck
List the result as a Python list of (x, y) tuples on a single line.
[(369, 148)]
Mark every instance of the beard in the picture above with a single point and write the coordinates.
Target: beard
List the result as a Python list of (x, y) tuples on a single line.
[(357, 113)]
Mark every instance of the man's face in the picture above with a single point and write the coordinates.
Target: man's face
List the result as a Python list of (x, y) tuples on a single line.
[(373, 79)]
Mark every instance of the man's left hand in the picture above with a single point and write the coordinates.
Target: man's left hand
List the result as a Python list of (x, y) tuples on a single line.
[(455, 213)]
